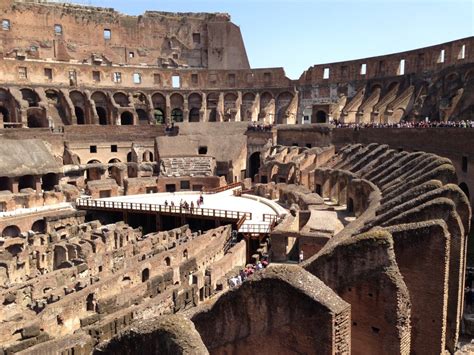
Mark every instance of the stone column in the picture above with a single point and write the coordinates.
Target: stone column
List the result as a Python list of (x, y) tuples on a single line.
[(168, 109)]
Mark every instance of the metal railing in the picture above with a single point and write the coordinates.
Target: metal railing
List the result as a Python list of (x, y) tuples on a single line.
[(222, 188), (255, 228), (148, 207), (272, 218)]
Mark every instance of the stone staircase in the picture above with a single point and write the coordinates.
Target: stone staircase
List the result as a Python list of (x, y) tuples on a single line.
[(187, 166)]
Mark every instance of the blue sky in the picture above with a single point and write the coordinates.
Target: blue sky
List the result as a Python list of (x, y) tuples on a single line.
[(296, 34)]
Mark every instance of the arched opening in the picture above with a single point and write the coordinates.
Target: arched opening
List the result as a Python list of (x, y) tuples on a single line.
[(11, 231), (49, 181), (142, 116), (185, 253), (39, 226), (79, 115), (27, 181), (463, 186), (167, 261), (90, 304), (36, 119), (114, 161), (147, 156), (129, 157), (248, 100), (145, 274), (126, 118), (102, 113), (121, 99), (230, 106), (159, 116), (194, 115), (213, 115), (177, 115), (254, 164), (321, 116), (31, 97), (350, 205)]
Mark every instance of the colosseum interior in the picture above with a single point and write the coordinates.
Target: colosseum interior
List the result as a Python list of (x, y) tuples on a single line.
[(160, 196)]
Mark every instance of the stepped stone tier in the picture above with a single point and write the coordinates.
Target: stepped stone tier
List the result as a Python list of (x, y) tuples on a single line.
[(342, 198)]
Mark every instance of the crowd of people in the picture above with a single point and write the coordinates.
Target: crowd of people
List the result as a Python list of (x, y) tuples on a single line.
[(260, 127), (407, 124), (247, 272), (187, 206)]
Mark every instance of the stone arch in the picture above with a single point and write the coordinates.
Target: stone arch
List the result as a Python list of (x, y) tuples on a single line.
[(145, 274), (177, 101), (167, 261), (374, 87), (126, 118), (195, 100), (211, 104), (27, 181), (80, 116), (282, 102), (56, 99), (11, 231), (90, 302), (254, 164), (101, 107), (159, 105), (121, 99), (39, 226), (129, 157), (248, 100), (230, 106), (320, 117), (30, 96), (114, 161)]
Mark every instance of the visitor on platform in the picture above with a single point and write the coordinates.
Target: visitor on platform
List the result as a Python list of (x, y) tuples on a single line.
[(301, 256)]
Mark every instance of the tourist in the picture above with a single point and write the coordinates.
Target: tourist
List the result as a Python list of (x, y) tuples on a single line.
[(166, 203), (201, 199), (192, 207), (301, 256), (172, 204)]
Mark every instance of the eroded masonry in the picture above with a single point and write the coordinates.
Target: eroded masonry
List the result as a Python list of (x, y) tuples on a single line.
[(158, 195)]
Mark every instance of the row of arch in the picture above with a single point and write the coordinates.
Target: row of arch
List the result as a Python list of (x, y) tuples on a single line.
[(39, 226), (104, 108)]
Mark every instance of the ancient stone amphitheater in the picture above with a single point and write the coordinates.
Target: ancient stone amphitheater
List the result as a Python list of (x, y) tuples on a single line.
[(159, 196)]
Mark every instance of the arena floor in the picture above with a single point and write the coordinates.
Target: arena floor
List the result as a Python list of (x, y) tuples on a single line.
[(225, 200)]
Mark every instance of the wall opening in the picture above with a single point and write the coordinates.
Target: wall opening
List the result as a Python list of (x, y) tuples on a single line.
[(177, 115), (11, 231), (102, 113), (79, 115), (464, 164), (145, 274), (363, 69), (401, 67), (465, 189), (27, 181), (126, 118), (350, 205), (326, 73), (254, 165), (194, 115), (176, 81)]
